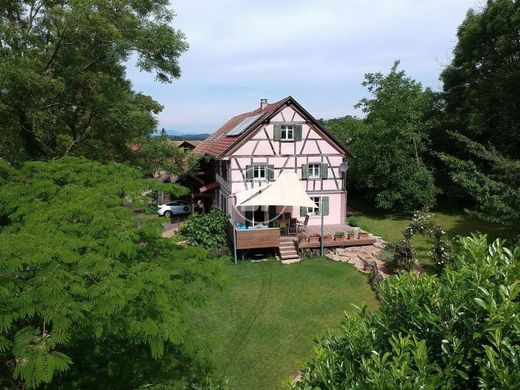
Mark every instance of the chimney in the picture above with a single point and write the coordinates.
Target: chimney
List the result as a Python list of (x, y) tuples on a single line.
[(263, 103)]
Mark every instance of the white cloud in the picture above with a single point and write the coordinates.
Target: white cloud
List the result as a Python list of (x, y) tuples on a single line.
[(316, 51)]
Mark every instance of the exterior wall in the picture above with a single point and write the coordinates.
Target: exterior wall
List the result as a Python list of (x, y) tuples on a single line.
[(260, 148)]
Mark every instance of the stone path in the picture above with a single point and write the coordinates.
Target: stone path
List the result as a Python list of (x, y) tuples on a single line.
[(362, 256)]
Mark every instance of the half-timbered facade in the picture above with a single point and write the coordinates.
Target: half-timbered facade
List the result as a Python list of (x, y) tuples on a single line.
[(252, 149)]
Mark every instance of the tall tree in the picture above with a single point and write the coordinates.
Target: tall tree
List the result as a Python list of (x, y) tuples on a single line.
[(389, 146), (91, 295), (62, 75), (477, 134), (481, 83)]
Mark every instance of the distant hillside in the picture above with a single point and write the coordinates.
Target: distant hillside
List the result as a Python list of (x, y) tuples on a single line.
[(178, 136), (189, 137)]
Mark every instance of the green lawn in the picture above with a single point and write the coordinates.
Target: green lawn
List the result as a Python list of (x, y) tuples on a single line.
[(391, 226), (263, 324)]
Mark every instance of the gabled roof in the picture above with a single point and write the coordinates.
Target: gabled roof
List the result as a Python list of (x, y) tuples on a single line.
[(231, 134), (192, 143)]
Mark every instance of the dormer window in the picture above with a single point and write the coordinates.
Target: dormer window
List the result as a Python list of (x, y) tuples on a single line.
[(287, 133)]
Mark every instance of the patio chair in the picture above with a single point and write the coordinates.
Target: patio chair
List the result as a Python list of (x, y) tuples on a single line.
[(283, 227)]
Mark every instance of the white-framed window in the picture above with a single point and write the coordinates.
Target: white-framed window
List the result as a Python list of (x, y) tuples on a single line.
[(321, 202), (317, 201), (259, 172), (287, 133), (314, 171)]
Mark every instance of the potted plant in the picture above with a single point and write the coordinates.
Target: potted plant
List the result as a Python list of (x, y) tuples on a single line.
[(350, 236), (339, 236), (328, 237), (313, 238)]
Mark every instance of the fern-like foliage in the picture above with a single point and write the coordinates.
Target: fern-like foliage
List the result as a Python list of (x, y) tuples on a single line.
[(90, 295)]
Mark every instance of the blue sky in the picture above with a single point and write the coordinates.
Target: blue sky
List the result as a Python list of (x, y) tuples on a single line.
[(315, 51)]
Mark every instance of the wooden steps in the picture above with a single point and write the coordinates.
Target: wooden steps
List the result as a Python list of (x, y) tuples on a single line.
[(288, 250)]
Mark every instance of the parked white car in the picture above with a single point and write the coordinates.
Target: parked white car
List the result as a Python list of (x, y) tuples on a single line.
[(174, 207)]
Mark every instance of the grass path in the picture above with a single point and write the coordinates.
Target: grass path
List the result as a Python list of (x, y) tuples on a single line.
[(263, 324)]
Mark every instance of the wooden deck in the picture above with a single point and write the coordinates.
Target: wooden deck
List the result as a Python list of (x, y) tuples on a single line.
[(270, 237), (311, 237), (330, 229), (336, 243)]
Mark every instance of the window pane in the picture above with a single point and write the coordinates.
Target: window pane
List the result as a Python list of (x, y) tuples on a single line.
[(314, 170), (259, 172)]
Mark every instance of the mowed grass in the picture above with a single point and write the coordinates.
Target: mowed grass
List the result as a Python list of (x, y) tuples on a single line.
[(390, 227), (262, 326)]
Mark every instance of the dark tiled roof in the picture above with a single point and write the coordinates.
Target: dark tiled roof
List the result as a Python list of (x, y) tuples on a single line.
[(219, 141), (191, 142)]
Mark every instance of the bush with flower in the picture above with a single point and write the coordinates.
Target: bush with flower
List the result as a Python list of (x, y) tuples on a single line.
[(422, 224)]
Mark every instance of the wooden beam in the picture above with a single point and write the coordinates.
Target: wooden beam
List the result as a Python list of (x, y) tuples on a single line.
[(270, 143)]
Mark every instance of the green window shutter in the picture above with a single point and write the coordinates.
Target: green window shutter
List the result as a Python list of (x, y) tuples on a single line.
[(249, 172), (324, 171), (303, 211), (270, 172), (277, 134), (297, 132), (325, 205), (305, 171)]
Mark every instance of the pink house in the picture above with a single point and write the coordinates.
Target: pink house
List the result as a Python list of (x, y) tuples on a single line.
[(253, 148)]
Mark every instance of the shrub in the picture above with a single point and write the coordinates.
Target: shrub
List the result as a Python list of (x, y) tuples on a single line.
[(456, 330), (208, 230), (353, 221), (441, 253), (403, 258)]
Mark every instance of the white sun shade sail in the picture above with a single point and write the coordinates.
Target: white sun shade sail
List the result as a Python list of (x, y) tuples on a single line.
[(287, 190), (242, 196)]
